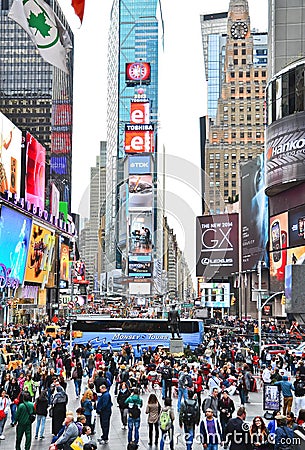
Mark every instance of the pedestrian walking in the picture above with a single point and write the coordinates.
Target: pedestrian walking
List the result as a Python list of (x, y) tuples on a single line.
[(189, 416), (153, 409), (77, 376), (226, 409), (182, 386), (286, 388), (237, 433), (4, 410), (283, 434), (167, 418), (299, 393), (211, 402), (13, 392), (103, 408), (41, 409), (134, 403), (59, 400), (210, 431), (123, 395), (24, 424)]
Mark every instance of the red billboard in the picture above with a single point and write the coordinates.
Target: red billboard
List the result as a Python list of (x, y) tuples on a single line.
[(217, 245), (10, 156), (139, 138), (139, 112), (35, 171), (137, 73), (62, 114)]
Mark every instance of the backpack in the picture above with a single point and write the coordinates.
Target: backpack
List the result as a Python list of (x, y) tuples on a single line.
[(299, 388), (189, 413), (166, 373), (188, 382), (134, 412), (165, 420)]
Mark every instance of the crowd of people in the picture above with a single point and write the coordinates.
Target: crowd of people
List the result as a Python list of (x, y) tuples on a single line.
[(212, 385)]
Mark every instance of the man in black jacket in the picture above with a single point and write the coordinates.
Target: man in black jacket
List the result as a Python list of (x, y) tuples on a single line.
[(167, 375), (237, 432)]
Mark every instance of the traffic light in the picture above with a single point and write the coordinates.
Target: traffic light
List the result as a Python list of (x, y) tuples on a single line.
[(233, 300), (283, 300)]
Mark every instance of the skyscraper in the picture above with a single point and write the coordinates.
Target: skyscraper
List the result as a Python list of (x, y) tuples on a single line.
[(237, 133), (37, 97), (135, 31)]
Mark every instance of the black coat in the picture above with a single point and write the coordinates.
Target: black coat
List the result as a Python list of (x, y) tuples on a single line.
[(238, 435)]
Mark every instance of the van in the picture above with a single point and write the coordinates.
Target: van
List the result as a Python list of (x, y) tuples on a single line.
[(52, 331)]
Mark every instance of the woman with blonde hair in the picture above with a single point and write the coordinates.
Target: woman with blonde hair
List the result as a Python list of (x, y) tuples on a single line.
[(86, 403)]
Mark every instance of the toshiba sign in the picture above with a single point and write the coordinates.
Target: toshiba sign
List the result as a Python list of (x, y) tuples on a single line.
[(285, 153), (139, 138)]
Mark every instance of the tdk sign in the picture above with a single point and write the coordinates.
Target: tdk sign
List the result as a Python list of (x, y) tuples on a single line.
[(139, 164)]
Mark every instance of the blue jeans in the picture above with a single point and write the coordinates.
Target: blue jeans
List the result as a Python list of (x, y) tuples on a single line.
[(189, 437), (212, 447), (77, 385), (13, 412), (181, 392), (40, 422), (167, 436), (133, 423)]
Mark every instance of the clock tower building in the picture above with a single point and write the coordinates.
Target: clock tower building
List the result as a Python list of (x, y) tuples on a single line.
[(237, 133)]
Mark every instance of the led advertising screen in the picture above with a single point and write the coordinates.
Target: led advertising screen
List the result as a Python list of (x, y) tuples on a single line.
[(285, 155), (278, 250), (139, 164), (35, 171), (216, 245), (122, 214), (15, 230), (140, 266), (137, 73), (10, 156), (64, 262), (54, 200), (61, 142), (296, 221), (139, 112), (215, 295), (58, 165), (254, 213), (140, 192), (140, 237), (139, 138), (61, 114), (40, 256)]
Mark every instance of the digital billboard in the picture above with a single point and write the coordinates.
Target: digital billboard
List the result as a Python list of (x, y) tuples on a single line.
[(59, 165), (137, 73), (10, 156), (15, 230), (296, 221), (64, 262), (278, 250), (139, 111), (35, 171), (61, 114), (140, 236), (140, 192), (41, 254), (215, 295), (140, 266), (139, 138), (254, 213), (285, 155), (61, 142), (139, 164), (122, 214), (216, 245), (54, 200)]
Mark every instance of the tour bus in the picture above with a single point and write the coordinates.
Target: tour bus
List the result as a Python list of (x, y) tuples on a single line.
[(98, 331)]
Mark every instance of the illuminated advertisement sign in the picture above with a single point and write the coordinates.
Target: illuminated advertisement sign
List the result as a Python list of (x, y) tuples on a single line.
[(10, 156), (215, 295), (122, 214), (59, 165), (139, 164), (40, 256), (296, 223), (61, 114), (35, 171), (137, 73), (285, 155), (64, 262), (61, 142), (139, 112), (140, 233), (54, 200), (139, 266), (79, 273), (140, 192), (139, 138), (278, 249), (254, 213), (216, 245), (15, 230)]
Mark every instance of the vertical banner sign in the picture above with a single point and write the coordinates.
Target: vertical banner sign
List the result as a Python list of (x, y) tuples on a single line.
[(216, 245), (139, 112)]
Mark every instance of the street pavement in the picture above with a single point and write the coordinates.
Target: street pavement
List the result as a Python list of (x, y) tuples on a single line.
[(118, 437)]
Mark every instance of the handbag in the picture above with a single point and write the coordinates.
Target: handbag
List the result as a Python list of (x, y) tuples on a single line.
[(77, 444), (32, 416), (2, 414)]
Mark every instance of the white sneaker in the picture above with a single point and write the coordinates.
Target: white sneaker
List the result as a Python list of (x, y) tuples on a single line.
[(2, 437)]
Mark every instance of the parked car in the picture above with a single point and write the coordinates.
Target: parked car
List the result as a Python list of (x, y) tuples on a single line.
[(299, 350), (275, 349)]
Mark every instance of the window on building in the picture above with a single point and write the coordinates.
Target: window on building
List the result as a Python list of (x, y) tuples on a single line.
[(233, 192), (235, 51), (243, 44), (232, 91), (225, 165), (233, 174), (233, 134), (248, 74), (211, 165), (240, 74), (233, 165), (233, 184), (226, 156), (233, 156), (249, 155), (255, 73), (248, 117), (241, 89), (232, 74), (242, 134), (211, 155), (242, 156), (217, 155), (243, 51), (263, 73), (235, 62), (244, 61), (226, 192), (249, 134)]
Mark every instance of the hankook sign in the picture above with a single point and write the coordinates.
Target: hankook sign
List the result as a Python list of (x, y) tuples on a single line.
[(285, 153)]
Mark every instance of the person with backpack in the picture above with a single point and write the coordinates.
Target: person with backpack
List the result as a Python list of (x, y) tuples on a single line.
[(210, 431), (166, 375), (24, 424), (153, 409), (212, 402), (283, 434), (134, 403), (184, 382), (189, 416), (167, 419), (299, 393)]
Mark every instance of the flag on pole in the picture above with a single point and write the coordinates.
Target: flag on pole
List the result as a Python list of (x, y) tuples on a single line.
[(48, 34), (79, 7)]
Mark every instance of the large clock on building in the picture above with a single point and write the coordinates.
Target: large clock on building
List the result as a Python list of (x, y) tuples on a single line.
[(239, 30), (138, 72)]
